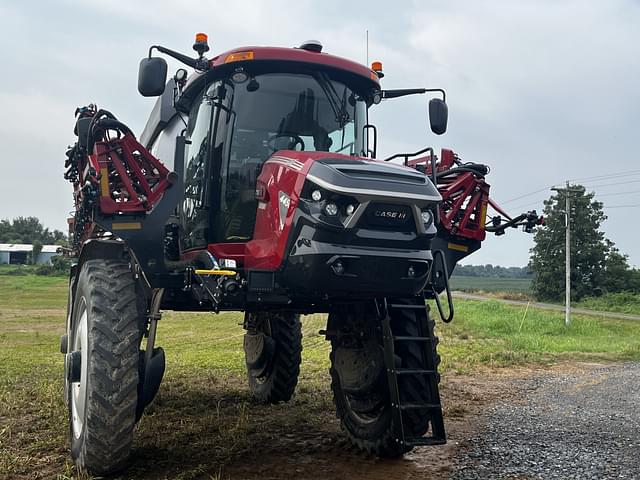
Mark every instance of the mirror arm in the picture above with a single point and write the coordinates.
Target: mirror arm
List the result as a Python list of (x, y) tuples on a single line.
[(195, 63), (402, 92)]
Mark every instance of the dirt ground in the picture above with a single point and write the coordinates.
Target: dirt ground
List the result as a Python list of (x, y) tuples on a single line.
[(326, 454)]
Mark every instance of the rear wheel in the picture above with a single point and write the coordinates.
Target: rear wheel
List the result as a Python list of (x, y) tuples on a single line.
[(359, 380), (273, 352), (102, 365)]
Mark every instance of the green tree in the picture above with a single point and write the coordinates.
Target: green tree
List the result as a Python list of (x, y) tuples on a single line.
[(589, 248), (28, 230), (618, 277)]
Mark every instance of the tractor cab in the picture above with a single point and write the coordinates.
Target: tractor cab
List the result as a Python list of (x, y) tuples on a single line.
[(239, 121), (240, 108)]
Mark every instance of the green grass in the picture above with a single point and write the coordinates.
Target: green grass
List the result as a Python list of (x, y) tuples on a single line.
[(613, 302), (492, 333), (27, 292), (486, 284), (204, 420)]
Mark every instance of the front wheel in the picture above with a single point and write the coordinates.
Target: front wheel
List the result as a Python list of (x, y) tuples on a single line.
[(273, 352), (102, 365), (359, 379)]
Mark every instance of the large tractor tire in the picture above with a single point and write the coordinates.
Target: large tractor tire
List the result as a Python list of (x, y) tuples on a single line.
[(102, 365), (361, 388), (273, 352)]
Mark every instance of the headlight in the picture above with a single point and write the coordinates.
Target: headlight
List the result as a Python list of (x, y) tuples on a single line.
[(316, 195), (350, 209), (427, 217), (331, 209)]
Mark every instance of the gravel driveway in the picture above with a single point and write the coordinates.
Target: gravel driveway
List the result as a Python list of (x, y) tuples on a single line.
[(583, 423)]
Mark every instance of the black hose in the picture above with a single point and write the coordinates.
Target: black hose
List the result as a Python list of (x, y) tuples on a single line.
[(203, 259), (475, 168)]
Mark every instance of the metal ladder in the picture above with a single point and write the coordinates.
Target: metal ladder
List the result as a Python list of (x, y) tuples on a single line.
[(428, 370)]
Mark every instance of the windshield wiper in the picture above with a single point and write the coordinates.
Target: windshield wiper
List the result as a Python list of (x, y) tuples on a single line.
[(338, 106)]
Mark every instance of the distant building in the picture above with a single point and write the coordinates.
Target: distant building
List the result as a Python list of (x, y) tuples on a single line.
[(19, 253)]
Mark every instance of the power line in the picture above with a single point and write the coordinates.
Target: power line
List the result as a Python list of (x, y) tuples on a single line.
[(526, 195), (610, 184), (611, 175), (616, 193), (622, 206), (528, 204)]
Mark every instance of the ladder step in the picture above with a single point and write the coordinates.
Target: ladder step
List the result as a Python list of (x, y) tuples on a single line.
[(420, 406), (402, 338), (402, 306), (414, 371), (422, 441)]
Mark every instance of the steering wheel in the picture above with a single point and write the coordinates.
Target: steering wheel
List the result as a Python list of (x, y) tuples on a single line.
[(294, 139)]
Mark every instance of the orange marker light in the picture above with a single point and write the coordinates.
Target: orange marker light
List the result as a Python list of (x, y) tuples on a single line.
[(376, 66), (201, 38), (239, 56)]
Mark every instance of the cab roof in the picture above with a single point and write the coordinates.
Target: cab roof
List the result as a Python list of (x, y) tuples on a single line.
[(298, 55)]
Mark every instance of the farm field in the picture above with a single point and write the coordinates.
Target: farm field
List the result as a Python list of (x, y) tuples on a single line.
[(204, 423), (493, 284)]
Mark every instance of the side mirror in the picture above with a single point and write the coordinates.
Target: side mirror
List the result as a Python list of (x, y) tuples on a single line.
[(438, 116), (152, 76)]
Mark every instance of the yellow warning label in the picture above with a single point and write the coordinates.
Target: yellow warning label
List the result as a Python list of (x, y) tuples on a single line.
[(126, 226), (458, 247)]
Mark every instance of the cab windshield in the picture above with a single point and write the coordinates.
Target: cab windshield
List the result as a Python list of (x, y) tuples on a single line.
[(279, 111)]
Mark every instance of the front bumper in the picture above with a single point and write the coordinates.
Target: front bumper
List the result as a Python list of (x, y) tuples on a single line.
[(315, 268)]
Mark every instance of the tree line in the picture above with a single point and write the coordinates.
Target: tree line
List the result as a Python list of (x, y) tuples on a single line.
[(29, 230), (492, 271)]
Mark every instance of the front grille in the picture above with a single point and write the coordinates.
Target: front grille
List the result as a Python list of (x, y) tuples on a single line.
[(388, 217)]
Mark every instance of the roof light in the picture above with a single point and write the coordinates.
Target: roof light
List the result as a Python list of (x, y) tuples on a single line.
[(377, 67), (201, 44), (239, 56)]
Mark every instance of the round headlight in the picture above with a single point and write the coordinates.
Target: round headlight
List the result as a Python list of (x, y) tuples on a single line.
[(331, 209), (350, 209), (427, 217), (316, 195)]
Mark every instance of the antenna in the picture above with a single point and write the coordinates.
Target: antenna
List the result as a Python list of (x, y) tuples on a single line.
[(367, 43)]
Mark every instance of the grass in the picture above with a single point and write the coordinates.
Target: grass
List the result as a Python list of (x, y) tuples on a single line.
[(203, 421), (520, 289), (613, 302), (28, 292), (495, 334)]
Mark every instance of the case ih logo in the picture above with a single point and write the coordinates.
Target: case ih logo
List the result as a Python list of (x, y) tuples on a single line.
[(392, 214)]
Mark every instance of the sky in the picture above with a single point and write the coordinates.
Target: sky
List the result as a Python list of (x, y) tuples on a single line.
[(541, 91)]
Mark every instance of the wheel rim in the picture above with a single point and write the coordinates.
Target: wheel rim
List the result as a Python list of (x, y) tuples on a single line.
[(79, 389), (369, 415)]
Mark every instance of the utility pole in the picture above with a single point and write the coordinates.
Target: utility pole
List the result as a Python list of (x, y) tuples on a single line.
[(567, 218)]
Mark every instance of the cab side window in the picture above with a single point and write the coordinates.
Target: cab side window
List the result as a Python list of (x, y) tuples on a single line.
[(195, 207)]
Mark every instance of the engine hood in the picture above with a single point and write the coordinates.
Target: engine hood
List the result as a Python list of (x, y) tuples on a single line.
[(362, 177)]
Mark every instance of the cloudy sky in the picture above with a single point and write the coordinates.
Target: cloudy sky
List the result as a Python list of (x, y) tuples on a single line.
[(542, 91)]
